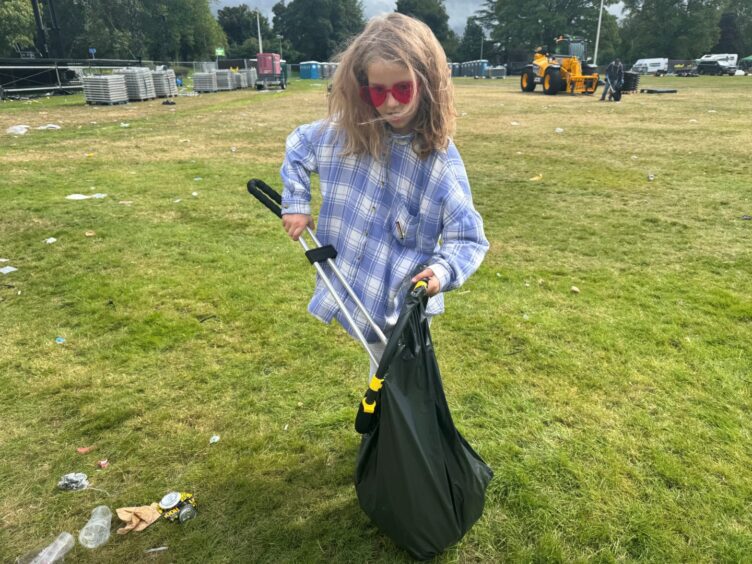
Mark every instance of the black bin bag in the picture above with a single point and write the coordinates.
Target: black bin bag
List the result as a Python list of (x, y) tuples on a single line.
[(416, 477)]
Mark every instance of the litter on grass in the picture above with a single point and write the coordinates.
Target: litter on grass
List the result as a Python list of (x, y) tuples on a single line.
[(82, 450), (194, 194), (49, 126), (85, 196), (90, 233), (122, 124), (137, 518), (214, 439), (60, 341), (559, 130), (537, 177), (158, 549), (50, 240), (17, 130), (7, 269), (73, 481)]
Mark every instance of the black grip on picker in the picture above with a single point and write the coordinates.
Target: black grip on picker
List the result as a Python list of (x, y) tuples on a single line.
[(266, 195), (268, 190), (320, 254)]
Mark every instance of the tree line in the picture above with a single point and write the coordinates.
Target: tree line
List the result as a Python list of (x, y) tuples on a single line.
[(501, 31)]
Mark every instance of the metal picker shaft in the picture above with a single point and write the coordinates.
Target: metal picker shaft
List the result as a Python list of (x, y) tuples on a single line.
[(272, 200), (341, 305), (351, 292)]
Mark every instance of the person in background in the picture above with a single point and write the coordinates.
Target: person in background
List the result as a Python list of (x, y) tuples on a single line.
[(614, 80)]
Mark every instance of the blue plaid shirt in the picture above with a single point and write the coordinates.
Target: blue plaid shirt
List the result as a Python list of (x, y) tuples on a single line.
[(385, 218)]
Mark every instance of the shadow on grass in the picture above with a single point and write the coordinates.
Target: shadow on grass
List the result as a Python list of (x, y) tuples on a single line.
[(305, 512)]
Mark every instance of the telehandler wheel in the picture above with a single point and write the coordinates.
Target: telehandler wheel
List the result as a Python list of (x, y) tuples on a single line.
[(552, 81), (527, 80)]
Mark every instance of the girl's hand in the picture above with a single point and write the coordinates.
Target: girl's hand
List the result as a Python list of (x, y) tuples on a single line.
[(434, 286), (295, 223)]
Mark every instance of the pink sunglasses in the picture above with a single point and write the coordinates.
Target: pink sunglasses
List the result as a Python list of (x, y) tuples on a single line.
[(375, 95)]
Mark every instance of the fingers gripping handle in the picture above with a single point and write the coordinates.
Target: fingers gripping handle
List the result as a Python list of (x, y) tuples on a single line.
[(266, 195)]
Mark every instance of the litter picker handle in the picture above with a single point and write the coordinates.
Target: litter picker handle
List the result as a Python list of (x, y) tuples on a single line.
[(268, 190), (266, 195)]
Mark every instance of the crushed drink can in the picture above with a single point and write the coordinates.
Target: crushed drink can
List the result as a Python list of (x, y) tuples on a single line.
[(178, 506)]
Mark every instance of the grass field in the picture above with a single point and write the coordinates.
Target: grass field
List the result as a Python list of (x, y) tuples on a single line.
[(616, 419)]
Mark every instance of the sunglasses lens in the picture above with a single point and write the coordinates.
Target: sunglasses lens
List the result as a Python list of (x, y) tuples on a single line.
[(378, 95), (365, 95), (403, 92)]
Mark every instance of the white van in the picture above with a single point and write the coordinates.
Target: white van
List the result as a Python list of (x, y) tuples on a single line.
[(650, 66)]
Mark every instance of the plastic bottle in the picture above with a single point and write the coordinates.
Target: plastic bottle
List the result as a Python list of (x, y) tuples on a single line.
[(96, 532), (55, 552)]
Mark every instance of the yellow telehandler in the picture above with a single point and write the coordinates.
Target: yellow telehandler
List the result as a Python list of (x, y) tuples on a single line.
[(564, 71)]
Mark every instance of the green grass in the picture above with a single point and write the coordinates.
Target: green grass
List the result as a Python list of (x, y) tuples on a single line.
[(617, 420)]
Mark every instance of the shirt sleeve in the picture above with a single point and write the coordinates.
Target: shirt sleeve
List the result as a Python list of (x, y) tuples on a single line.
[(300, 161), (463, 242)]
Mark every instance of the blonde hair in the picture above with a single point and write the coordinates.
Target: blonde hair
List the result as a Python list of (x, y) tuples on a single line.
[(397, 39)]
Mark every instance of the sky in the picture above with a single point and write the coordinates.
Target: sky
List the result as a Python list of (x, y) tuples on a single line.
[(457, 10)]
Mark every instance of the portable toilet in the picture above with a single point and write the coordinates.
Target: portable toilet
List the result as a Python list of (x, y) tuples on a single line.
[(482, 67), (305, 70), (315, 70)]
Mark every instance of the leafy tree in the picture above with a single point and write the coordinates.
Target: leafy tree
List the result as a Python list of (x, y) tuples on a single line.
[(239, 24), (470, 46), (152, 29), (433, 14), (609, 45), (16, 25), (735, 29), (519, 26), (666, 28), (317, 29)]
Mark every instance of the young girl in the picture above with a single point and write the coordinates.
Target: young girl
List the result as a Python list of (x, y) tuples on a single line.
[(396, 203)]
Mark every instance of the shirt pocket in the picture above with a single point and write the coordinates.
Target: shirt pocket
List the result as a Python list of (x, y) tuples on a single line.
[(403, 225)]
